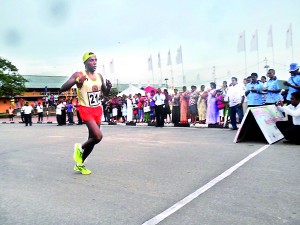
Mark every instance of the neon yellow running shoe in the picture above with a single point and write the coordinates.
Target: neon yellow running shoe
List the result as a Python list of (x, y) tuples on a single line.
[(82, 169), (77, 155)]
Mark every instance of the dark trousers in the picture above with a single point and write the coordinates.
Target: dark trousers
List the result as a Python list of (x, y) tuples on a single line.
[(159, 114), (176, 114), (290, 131), (28, 119), (79, 118), (59, 120), (40, 117), (233, 111), (70, 117), (63, 117), (23, 117)]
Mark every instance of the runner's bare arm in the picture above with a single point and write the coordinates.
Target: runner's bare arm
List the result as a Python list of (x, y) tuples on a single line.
[(76, 78), (105, 88)]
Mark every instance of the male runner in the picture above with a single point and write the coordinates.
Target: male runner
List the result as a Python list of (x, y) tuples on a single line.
[(89, 87)]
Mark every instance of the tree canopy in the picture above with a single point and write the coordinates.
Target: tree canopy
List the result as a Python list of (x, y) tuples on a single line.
[(11, 83)]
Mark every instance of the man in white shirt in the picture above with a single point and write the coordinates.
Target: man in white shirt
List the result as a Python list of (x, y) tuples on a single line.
[(235, 96), (27, 114), (40, 112), (59, 108), (159, 99), (291, 129)]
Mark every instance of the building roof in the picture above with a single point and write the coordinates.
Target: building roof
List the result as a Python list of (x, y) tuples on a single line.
[(37, 81)]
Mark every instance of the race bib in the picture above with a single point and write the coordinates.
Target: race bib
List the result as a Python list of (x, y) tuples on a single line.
[(94, 98)]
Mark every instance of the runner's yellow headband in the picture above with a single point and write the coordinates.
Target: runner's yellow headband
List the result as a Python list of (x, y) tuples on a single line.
[(87, 55)]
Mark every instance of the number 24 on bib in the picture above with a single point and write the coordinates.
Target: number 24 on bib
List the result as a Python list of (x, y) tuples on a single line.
[(94, 98)]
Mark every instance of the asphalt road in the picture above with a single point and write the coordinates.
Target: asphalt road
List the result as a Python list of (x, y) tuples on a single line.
[(139, 172)]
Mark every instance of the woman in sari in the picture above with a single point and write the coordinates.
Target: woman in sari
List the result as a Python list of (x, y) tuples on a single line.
[(202, 105), (212, 108), (184, 100)]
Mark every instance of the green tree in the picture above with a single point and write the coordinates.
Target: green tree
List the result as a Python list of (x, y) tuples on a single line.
[(11, 83)]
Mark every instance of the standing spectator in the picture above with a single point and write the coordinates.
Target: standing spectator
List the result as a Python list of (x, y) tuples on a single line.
[(119, 107), (28, 109), (135, 108), (70, 109), (159, 99), (224, 90), (184, 102), (106, 108), (129, 108), (212, 109), (221, 106), (167, 109), (40, 112), (59, 107), (202, 105), (293, 82), (263, 80), (64, 113), (11, 113), (152, 106), (245, 103), (146, 108), (254, 91), (51, 100), (140, 106), (272, 89), (176, 107), (77, 112), (22, 114), (193, 98), (235, 96), (114, 108), (124, 108)]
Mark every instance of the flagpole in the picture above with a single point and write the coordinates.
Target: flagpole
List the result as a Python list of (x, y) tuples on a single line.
[(172, 78), (292, 47), (160, 77), (245, 54), (257, 51), (183, 76), (152, 78), (273, 56)]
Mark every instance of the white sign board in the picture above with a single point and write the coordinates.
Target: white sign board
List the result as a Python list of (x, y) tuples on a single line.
[(264, 117)]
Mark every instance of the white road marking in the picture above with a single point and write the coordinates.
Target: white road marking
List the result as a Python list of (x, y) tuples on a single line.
[(160, 217)]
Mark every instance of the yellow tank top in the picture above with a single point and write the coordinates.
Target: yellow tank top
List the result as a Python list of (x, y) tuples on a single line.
[(89, 93)]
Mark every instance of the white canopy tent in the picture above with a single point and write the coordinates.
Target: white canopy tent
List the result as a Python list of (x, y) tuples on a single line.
[(132, 90)]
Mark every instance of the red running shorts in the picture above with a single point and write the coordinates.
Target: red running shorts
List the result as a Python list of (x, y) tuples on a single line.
[(90, 113)]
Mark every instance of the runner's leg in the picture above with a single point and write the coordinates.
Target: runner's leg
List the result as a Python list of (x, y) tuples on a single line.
[(95, 136)]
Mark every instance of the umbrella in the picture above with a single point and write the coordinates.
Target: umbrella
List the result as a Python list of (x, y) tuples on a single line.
[(149, 89)]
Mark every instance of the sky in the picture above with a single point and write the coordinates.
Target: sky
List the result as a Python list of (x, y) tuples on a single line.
[(49, 37)]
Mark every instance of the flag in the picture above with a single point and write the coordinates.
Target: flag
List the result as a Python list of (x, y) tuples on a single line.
[(241, 43), (270, 37), (179, 56), (111, 66), (159, 64), (254, 42), (150, 67), (289, 40), (169, 59)]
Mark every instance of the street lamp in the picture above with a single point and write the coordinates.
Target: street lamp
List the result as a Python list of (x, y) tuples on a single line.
[(166, 79)]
